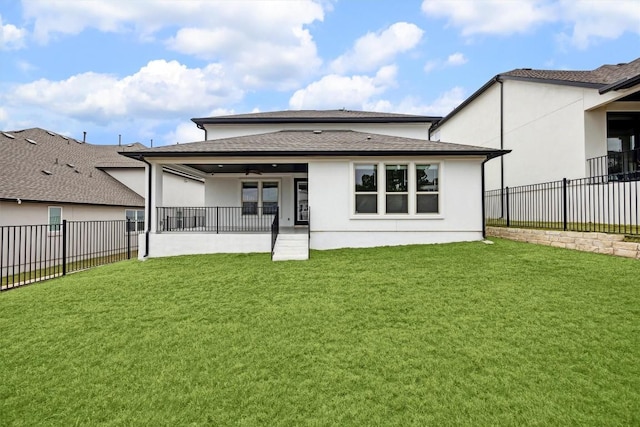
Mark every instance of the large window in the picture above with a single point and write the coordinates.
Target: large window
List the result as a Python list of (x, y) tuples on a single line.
[(55, 218), (366, 188), (427, 188), (136, 219), (260, 193), (396, 186), (408, 188)]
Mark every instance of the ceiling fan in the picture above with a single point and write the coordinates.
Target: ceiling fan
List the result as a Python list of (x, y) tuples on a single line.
[(254, 171)]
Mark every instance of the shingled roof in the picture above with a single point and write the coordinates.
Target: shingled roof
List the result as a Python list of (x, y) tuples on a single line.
[(314, 143), (39, 165), (316, 116)]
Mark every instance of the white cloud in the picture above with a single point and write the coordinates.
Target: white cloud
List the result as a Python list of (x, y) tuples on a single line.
[(456, 59), (593, 20), (441, 106), (184, 132), (158, 90), (589, 19), (260, 43), (11, 37), (334, 91), (491, 16), (376, 49)]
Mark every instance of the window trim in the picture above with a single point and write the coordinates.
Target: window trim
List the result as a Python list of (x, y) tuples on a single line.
[(411, 190)]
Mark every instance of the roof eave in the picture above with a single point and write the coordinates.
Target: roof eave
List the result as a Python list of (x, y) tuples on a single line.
[(490, 153), (201, 121), (625, 83)]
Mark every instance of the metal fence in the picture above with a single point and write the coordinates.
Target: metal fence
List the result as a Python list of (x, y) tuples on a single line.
[(218, 219), (586, 204), (32, 253)]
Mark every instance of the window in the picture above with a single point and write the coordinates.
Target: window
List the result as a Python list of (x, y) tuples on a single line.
[(397, 195), (137, 220), (366, 189), (55, 218), (260, 193), (408, 189), (250, 198), (427, 188)]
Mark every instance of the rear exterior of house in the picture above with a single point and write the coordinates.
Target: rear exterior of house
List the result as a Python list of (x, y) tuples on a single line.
[(558, 124), (337, 178)]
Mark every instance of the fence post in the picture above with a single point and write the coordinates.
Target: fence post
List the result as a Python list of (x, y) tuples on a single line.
[(217, 219), (506, 195), (64, 247), (564, 204), (128, 238)]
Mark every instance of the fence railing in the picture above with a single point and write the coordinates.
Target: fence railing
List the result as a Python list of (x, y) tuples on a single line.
[(32, 253), (586, 204), (218, 219), (617, 165)]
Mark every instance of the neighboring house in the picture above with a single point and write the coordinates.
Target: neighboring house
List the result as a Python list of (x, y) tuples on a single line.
[(558, 124), (339, 178), (46, 178)]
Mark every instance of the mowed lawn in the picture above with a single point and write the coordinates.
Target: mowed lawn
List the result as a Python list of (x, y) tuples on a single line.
[(457, 334)]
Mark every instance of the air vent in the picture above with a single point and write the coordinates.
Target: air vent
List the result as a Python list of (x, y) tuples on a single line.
[(51, 133), (317, 132), (71, 165), (31, 141), (8, 135), (64, 137), (79, 142), (46, 172), (76, 171)]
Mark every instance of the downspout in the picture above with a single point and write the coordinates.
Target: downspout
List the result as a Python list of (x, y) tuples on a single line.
[(482, 187), (498, 80), (205, 132), (148, 227)]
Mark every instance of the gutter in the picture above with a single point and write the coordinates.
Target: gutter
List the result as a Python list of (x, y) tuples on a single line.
[(625, 83)]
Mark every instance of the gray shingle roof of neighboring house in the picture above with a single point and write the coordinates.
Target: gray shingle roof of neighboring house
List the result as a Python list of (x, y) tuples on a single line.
[(315, 116), (39, 165), (314, 143), (604, 78)]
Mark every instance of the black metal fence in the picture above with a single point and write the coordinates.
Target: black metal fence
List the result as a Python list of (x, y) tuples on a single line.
[(617, 165), (218, 219), (32, 253), (586, 204)]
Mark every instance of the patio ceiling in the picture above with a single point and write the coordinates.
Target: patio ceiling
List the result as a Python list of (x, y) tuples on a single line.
[(253, 168)]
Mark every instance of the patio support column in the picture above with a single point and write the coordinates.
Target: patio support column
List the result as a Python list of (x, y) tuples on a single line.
[(156, 194)]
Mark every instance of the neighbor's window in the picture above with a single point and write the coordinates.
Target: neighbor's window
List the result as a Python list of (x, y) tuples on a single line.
[(427, 188), (397, 195), (136, 218), (366, 188), (55, 218), (250, 198)]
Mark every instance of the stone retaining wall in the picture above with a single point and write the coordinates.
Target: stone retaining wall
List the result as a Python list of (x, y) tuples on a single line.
[(602, 243)]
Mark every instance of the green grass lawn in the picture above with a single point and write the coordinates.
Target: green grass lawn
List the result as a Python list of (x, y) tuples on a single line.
[(457, 334)]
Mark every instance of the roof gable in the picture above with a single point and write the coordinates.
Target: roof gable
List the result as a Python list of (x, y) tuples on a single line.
[(39, 165)]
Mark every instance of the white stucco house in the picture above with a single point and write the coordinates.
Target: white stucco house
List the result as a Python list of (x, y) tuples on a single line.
[(46, 177), (558, 124), (286, 181)]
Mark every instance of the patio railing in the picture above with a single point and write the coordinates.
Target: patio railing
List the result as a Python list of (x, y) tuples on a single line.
[(217, 219), (616, 165)]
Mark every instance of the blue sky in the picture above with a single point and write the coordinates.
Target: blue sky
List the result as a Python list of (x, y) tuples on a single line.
[(142, 69)]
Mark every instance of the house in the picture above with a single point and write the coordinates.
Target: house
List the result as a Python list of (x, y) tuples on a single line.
[(316, 179), (558, 124), (46, 177)]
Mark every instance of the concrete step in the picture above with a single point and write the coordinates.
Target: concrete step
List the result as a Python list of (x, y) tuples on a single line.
[(290, 247)]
